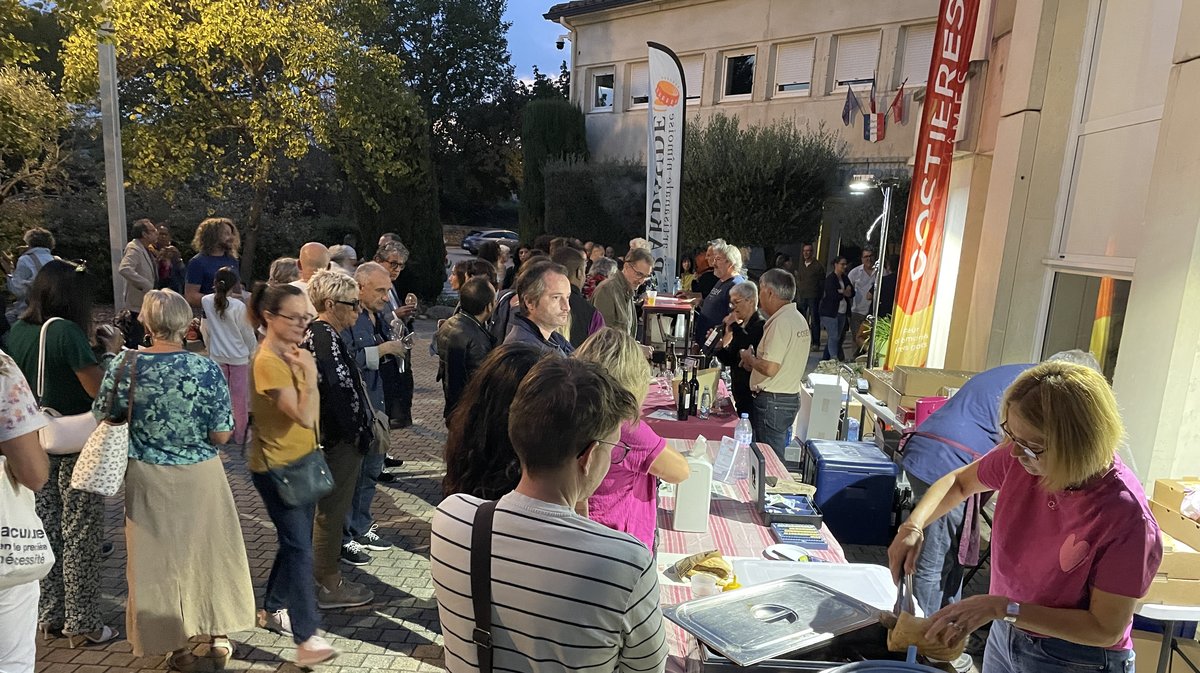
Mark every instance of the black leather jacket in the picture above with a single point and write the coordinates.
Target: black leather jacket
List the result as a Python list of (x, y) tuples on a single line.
[(462, 344)]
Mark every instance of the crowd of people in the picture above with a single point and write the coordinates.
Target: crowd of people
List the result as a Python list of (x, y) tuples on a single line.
[(550, 508)]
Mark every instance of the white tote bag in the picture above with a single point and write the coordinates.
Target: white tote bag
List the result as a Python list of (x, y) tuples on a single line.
[(25, 554), (101, 465), (62, 435)]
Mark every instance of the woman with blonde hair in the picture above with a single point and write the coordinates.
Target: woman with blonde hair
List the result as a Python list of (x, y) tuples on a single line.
[(627, 498), (1074, 545), (189, 582)]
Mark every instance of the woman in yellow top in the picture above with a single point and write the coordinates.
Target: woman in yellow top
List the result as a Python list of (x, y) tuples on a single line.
[(286, 405)]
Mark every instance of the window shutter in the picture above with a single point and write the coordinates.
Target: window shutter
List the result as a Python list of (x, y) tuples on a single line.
[(857, 56), (794, 66), (918, 50), (693, 75), (639, 83)]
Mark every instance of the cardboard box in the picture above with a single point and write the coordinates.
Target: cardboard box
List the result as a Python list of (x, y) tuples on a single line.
[(1174, 523), (1147, 647), (1170, 591), (922, 382), (1179, 560), (896, 399), (879, 382), (1170, 492)]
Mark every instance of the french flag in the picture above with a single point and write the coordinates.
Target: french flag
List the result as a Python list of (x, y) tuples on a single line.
[(874, 126)]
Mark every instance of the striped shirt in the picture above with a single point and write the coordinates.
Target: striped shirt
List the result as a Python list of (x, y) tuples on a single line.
[(567, 593)]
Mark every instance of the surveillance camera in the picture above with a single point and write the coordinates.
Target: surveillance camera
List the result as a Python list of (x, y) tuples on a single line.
[(560, 44)]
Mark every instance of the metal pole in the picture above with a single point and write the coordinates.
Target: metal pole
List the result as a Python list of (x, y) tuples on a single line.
[(886, 187), (114, 173)]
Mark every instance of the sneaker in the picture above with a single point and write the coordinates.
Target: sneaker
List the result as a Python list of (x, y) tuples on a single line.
[(353, 554), (347, 595), (388, 461), (964, 664), (386, 478), (277, 621), (371, 540), (315, 650)]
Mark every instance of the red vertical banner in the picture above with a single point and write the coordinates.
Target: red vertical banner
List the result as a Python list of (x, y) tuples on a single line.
[(921, 253)]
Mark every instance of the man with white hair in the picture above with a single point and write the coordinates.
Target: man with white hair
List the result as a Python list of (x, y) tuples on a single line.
[(966, 427), (344, 258)]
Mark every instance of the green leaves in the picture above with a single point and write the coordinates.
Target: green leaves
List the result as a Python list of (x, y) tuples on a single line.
[(31, 121)]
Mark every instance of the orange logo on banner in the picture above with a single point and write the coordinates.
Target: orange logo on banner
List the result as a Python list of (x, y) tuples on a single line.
[(666, 94)]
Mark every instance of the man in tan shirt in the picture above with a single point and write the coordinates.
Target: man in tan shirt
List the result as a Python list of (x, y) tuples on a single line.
[(777, 370)]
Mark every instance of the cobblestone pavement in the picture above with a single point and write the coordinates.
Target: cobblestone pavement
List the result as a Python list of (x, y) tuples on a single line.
[(399, 631)]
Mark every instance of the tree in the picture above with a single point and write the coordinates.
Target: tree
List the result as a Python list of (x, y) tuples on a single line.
[(32, 123), (225, 93), (552, 128), (595, 201), (758, 185)]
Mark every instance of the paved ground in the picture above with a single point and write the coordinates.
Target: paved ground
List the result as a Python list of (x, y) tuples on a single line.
[(398, 632)]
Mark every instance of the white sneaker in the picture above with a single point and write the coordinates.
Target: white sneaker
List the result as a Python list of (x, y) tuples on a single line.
[(315, 650), (277, 621)]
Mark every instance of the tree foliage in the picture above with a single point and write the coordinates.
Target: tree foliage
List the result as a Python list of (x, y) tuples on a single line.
[(595, 201), (224, 93), (32, 121), (552, 129), (757, 185)]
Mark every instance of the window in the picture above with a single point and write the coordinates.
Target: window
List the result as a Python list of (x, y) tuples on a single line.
[(639, 84), (793, 67), (855, 60), (739, 76), (918, 51), (602, 91), (1088, 313), (693, 75)]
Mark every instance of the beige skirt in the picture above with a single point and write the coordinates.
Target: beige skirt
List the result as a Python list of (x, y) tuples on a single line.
[(187, 570)]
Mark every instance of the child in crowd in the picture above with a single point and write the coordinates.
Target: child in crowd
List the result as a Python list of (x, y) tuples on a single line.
[(231, 343)]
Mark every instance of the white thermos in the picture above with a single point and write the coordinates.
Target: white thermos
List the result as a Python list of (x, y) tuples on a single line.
[(692, 497)]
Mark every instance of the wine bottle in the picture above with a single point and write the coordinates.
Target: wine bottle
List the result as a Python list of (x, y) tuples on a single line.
[(683, 403), (714, 337), (694, 392)]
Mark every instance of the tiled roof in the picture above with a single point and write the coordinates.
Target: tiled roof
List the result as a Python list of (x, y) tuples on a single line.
[(577, 7)]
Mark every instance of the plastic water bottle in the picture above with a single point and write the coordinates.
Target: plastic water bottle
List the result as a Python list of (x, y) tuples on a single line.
[(743, 436), (705, 403)]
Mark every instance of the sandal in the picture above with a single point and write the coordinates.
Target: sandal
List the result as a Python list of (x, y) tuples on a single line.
[(182, 660), (220, 651), (101, 635), (48, 631)]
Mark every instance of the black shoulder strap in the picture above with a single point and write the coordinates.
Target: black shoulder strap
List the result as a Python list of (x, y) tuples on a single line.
[(481, 582)]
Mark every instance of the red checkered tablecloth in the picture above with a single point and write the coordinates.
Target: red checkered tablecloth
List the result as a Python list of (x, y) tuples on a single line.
[(736, 528)]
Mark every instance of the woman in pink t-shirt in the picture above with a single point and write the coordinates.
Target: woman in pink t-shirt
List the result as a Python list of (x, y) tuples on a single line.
[(1074, 545), (627, 498)]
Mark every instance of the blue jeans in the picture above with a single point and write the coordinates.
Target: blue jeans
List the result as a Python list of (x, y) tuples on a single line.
[(290, 584), (833, 337), (808, 309), (774, 414), (359, 520), (938, 580), (1011, 650)]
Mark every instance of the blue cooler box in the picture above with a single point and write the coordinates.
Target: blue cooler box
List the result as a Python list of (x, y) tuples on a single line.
[(856, 489)]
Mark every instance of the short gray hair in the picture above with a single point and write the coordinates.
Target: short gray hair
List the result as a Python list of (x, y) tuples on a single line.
[(392, 247), (367, 268), (745, 290), (781, 283), (284, 270), (732, 254), (331, 285), (166, 315), (605, 266), (716, 243)]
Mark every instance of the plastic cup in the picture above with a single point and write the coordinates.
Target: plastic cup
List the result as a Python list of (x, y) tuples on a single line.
[(704, 584), (650, 296)]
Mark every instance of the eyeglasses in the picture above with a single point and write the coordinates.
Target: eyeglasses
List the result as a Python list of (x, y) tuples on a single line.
[(619, 451), (352, 304), (395, 266), (1034, 452), (302, 319), (638, 274)]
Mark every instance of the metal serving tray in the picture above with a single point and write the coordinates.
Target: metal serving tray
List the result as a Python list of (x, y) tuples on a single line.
[(765, 621)]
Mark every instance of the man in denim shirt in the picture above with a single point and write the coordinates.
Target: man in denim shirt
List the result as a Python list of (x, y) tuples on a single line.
[(370, 343)]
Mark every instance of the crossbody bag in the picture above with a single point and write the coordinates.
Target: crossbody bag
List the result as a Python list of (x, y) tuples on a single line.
[(62, 435)]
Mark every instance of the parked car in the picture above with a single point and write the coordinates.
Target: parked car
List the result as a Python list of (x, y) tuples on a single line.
[(502, 236)]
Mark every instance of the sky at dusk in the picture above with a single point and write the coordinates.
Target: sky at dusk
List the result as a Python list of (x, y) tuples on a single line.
[(531, 38)]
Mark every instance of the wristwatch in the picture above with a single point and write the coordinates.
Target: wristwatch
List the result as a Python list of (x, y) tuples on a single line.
[(1012, 612)]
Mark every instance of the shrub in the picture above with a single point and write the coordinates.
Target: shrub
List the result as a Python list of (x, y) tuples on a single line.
[(603, 202), (551, 128)]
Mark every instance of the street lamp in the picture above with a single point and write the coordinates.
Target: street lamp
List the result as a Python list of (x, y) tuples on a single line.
[(861, 184)]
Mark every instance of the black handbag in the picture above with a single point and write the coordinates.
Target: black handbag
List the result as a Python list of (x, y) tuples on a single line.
[(304, 481)]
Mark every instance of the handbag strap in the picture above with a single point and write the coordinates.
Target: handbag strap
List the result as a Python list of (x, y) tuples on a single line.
[(41, 381), (481, 582), (132, 386)]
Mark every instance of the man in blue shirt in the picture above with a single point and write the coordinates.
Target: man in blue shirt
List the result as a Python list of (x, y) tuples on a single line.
[(216, 243), (545, 295), (371, 344)]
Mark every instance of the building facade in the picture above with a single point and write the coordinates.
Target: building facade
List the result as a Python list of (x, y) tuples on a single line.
[(761, 60)]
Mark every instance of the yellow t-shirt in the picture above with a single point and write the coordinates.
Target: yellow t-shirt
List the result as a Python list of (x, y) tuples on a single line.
[(275, 433)]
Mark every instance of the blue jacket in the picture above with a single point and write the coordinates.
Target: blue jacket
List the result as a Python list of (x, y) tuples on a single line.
[(28, 264), (522, 329), (363, 339)]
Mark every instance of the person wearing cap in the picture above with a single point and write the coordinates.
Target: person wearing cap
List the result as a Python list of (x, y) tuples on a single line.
[(344, 258)]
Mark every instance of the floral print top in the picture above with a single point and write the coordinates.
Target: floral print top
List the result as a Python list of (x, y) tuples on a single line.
[(19, 413), (346, 412), (179, 398)]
